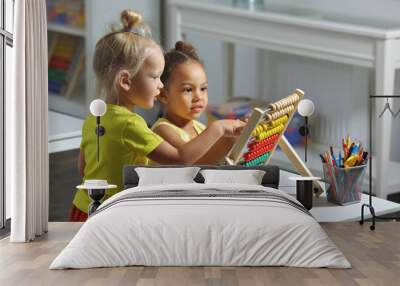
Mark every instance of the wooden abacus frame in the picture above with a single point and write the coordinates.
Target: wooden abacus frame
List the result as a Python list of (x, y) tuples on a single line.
[(286, 106)]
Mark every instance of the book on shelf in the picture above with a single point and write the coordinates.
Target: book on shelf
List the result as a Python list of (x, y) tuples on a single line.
[(66, 63), (75, 70), (66, 12)]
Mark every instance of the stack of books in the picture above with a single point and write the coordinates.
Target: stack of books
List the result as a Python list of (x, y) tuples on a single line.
[(66, 12), (235, 108)]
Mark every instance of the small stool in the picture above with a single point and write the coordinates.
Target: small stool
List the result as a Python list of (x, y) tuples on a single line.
[(304, 190), (96, 191), (96, 195)]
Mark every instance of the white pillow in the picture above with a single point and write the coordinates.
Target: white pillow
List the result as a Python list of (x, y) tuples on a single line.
[(249, 177), (162, 176)]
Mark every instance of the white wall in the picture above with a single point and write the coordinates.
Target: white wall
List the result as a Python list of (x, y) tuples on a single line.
[(371, 12), (340, 91)]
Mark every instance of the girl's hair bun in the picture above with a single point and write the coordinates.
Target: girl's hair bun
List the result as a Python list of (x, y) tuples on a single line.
[(181, 53), (130, 19), (187, 49), (124, 47)]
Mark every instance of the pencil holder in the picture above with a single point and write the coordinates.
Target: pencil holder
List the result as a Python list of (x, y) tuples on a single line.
[(343, 185)]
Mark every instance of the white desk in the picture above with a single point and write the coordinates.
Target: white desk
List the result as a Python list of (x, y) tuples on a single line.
[(368, 40), (64, 132), (324, 211)]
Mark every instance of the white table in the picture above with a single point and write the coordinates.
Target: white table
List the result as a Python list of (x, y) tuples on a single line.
[(345, 36), (64, 132), (324, 211)]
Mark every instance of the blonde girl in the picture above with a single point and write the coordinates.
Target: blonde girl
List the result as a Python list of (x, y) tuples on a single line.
[(128, 65)]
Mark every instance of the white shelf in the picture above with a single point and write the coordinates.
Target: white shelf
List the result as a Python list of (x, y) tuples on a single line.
[(80, 32), (64, 132), (324, 211), (76, 105)]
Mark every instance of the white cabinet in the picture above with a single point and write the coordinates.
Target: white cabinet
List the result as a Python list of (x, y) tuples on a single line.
[(303, 38)]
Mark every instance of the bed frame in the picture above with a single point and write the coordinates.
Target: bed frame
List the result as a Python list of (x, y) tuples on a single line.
[(270, 179)]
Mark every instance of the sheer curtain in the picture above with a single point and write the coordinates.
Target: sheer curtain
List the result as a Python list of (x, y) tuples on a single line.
[(26, 124)]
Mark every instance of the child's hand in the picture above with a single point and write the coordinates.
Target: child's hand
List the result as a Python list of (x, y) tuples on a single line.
[(245, 118), (230, 127)]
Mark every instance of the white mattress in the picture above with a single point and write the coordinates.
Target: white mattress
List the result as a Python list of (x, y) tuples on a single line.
[(189, 230)]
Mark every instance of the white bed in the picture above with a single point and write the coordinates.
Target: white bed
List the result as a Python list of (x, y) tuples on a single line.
[(201, 224)]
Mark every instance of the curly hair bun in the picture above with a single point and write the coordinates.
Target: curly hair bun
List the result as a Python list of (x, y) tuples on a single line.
[(186, 48), (130, 18)]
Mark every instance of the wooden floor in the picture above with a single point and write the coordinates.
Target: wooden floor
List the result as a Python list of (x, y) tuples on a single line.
[(374, 255)]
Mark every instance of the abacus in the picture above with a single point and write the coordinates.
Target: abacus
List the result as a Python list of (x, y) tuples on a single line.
[(262, 134)]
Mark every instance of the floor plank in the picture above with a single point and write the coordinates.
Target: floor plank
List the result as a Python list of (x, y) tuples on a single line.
[(374, 255)]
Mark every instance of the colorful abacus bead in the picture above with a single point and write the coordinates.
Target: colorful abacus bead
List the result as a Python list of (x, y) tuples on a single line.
[(257, 161), (256, 153), (280, 120), (257, 130), (282, 112), (257, 144), (270, 132)]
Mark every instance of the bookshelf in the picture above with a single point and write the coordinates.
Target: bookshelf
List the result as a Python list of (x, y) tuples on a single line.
[(79, 24), (66, 56), (59, 28)]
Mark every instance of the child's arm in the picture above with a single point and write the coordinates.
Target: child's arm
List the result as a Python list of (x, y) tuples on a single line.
[(213, 156), (81, 163), (173, 151), (217, 152), (170, 135)]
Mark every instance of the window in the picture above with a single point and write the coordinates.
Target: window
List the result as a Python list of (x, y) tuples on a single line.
[(6, 43)]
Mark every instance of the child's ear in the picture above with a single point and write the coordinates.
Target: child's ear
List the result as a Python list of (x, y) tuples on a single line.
[(124, 80), (163, 96)]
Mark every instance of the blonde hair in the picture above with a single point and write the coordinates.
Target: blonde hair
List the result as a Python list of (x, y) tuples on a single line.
[(125, 48)]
